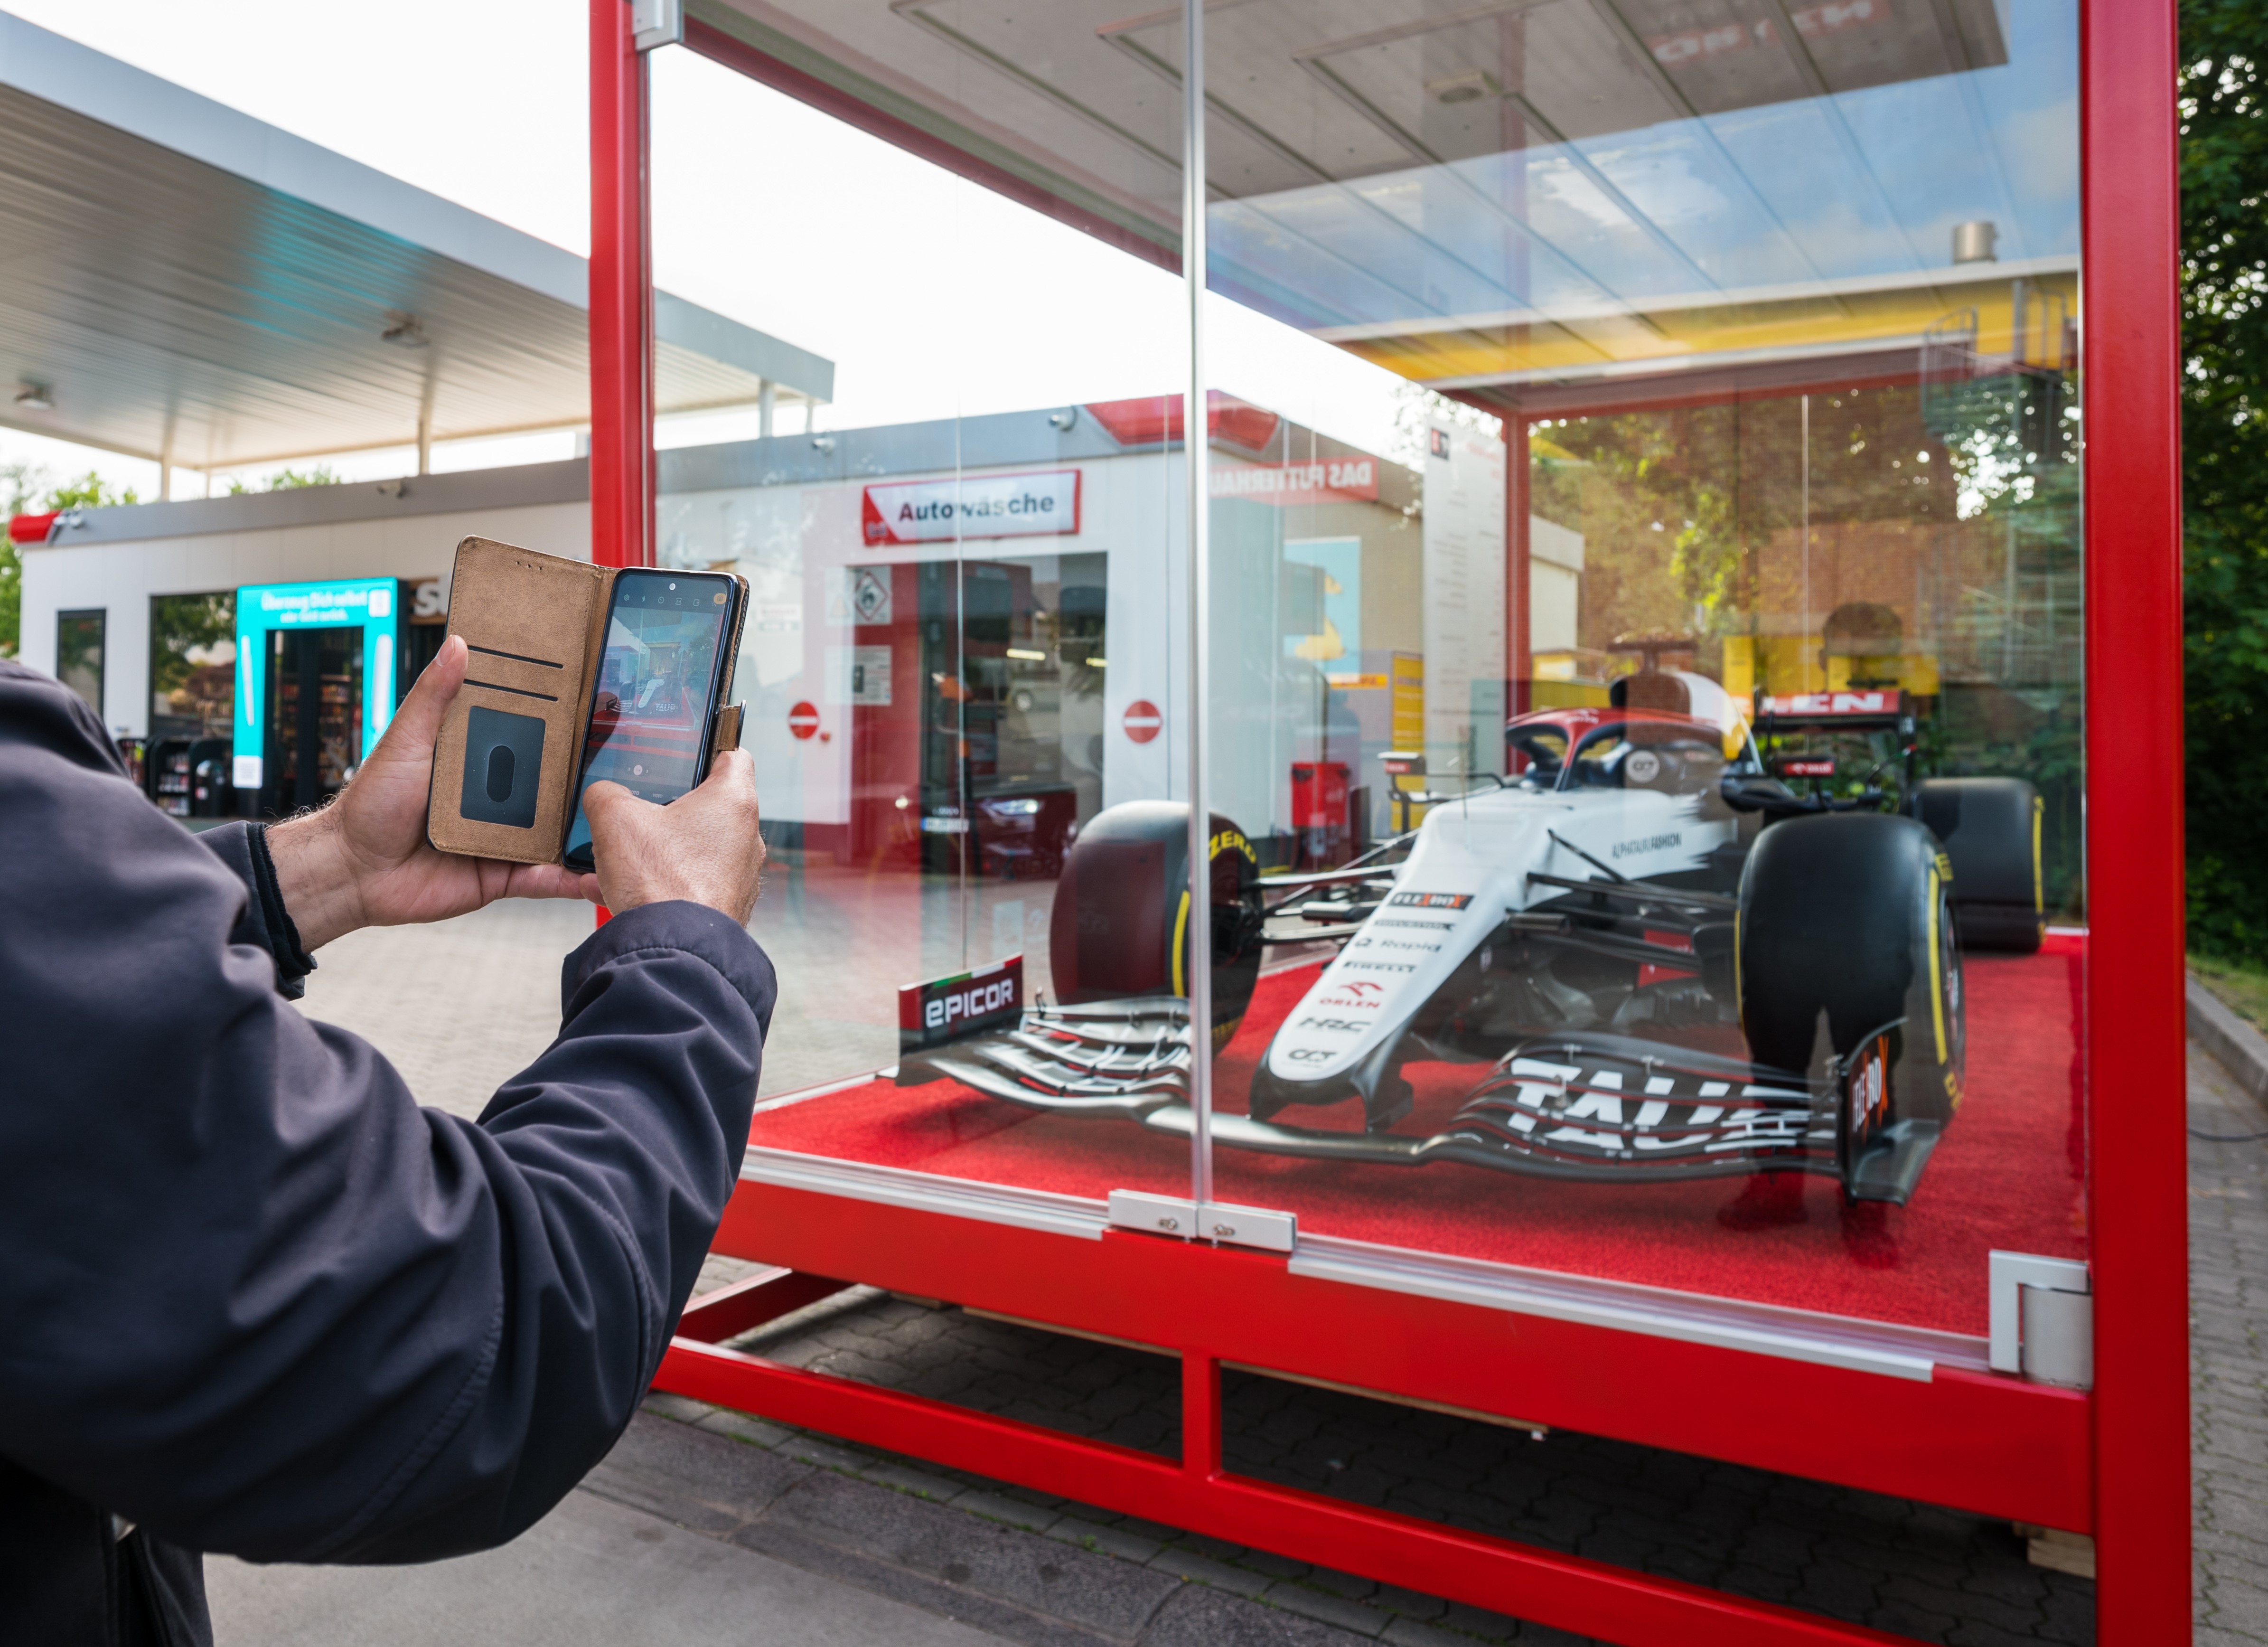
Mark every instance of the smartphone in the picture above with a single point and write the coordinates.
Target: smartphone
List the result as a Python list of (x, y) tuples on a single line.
[(659, 682)]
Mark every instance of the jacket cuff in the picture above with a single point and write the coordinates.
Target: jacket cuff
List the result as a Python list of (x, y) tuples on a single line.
[(696, 929), (264, 920)]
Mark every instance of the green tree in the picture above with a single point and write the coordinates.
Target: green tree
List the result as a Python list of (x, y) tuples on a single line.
[(89, 490), (289, 480), (21, 488), (2223, 106), (19, 484)]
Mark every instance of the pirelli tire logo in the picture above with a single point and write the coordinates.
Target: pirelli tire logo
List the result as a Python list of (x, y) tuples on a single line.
[(1430, 900)]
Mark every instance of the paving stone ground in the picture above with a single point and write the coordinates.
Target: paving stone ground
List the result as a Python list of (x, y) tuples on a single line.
[(2228, 1356), (460, 1006)]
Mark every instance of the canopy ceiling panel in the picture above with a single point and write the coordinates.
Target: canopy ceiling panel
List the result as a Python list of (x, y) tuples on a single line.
[(180, 281), (1525, 193)]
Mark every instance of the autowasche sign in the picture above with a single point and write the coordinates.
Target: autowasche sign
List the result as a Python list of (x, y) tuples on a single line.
[(946, 1008), (1039, 505)]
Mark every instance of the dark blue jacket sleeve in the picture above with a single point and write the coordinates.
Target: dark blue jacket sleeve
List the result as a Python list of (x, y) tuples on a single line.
[(254, 1297)]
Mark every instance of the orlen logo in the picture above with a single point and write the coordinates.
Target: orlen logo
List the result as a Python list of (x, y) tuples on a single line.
[(1431, 900), (1362, 995), (949, 1008)]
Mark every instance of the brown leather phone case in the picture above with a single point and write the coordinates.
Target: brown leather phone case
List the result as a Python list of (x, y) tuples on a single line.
[(506, 766)]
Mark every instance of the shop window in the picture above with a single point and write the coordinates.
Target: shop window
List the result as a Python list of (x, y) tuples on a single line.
[(79, 648), (193, 675), (192, 664)]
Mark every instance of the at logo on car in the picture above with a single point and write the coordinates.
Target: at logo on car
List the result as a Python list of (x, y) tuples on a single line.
[(1652, 842)]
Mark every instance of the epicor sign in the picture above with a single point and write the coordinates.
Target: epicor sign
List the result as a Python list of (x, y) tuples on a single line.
[(1040, 505), (946, 1008)]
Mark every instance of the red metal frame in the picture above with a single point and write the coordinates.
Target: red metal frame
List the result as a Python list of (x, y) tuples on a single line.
[(1994, 1446), (620, 297), (2130, 341), (2114, 1462)]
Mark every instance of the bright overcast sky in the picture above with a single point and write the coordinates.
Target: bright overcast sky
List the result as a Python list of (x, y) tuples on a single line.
[(934, 297)]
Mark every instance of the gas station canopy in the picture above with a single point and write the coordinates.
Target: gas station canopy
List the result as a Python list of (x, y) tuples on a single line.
[(185, 284)]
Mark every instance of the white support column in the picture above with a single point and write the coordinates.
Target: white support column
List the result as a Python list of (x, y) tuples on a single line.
[(1196, 444), (766, 398)]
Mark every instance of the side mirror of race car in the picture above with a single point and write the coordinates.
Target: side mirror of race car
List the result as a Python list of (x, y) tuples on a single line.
[(1748, 792)]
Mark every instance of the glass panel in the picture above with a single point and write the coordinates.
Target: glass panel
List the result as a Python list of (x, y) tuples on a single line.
[(186, 762), (79, 654), (1676, 680), (192, 664), (959, 506)]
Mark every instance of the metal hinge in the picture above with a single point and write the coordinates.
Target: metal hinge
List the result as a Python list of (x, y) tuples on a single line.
[(657, 23), (2042, 1319), (1220, 1222)]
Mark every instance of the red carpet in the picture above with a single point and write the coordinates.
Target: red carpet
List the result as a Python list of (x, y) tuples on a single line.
[(2007, 1173)]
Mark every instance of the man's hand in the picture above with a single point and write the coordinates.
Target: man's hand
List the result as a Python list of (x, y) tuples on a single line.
[(702, 847), (364, 860)]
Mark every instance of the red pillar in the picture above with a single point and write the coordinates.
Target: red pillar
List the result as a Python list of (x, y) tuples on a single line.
[(622, 297), (2139, 1233)]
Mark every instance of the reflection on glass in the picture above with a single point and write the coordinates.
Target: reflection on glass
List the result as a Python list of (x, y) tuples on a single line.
[(965, 635), (187, 764), (79, 654)]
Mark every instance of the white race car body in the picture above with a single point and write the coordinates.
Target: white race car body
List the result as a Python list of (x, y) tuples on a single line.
[(1574, 932), (1469, 868)]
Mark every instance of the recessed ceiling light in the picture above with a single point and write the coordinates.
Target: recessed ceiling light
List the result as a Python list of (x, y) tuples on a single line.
[(35, 397), (1469, 87), (403, 331)]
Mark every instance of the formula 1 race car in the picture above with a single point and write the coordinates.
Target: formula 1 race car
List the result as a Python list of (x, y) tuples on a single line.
[(1671, 963)]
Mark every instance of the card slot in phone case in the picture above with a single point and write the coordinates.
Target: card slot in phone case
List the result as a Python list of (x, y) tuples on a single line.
[(516, 657), (517, 691)]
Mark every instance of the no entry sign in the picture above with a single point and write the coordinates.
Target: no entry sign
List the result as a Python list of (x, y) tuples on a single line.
[(803, 719), (1143, 720)]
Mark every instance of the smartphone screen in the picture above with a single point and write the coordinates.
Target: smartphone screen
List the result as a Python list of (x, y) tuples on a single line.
[(657, 682)]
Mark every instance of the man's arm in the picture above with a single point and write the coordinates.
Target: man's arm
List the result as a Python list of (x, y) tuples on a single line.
[(256, 1298)]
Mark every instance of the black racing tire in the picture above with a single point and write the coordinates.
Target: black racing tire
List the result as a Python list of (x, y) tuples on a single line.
[(1990, 828), (1846, 925), (1120, 924)]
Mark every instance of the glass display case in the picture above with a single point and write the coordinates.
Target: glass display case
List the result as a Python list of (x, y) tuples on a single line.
[(1623, 655)]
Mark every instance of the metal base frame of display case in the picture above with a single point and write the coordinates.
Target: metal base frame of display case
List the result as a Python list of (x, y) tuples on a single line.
[(1550, 1350), (2114, 1462)]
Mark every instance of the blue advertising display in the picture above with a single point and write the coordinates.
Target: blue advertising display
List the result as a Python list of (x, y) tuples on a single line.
[(371, 605)]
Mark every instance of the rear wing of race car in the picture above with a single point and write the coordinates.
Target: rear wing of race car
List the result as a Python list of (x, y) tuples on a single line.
[(1880, 710), (1884, 711)]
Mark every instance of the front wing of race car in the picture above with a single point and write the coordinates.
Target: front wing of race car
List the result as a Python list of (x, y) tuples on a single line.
[(1585, 1107)]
